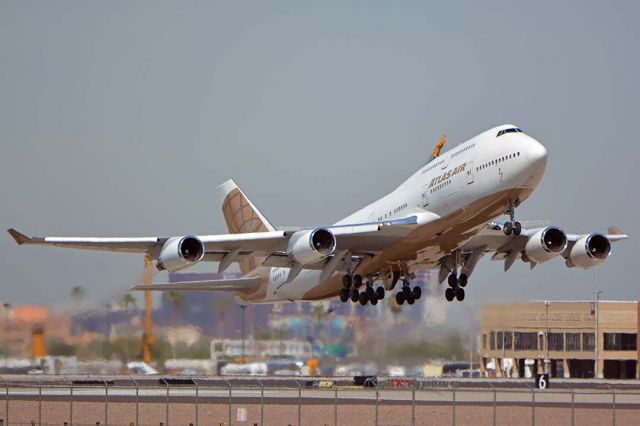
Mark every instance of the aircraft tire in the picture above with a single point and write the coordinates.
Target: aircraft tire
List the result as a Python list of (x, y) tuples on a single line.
[(380, 292), (346, 281), (357, 281), (355, 296), (449, 294), (452, 280), (517, 228), (463, 279), (460, 294), (374, 300), (411, 300), (363, 298), (417, 292), (344, 295), (371, 293), (399, 298), (507, 228)]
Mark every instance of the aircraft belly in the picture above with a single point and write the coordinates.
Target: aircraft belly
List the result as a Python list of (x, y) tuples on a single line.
[(427, 244)]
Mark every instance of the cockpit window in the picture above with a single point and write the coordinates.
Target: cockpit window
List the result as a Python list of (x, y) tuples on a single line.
[(511, 130)]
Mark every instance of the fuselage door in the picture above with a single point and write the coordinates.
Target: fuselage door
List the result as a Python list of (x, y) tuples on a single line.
[(469, 169), (424, 202)]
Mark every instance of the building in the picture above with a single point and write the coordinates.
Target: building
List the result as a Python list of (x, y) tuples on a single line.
[(522, 339)]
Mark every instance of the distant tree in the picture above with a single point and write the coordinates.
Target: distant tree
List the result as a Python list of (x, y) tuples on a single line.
[(77, 295), (57, 347), (127, 300)]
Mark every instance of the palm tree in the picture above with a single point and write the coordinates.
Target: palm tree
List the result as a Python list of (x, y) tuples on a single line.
[(127, 300), (177, 300), (77, 294)]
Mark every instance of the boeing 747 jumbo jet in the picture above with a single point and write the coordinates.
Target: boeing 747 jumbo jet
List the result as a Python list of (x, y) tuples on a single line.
[(443, 216)]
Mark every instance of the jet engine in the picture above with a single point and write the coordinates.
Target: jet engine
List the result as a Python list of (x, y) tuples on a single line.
[(180, 252), (588, 251), (545, 244), (307, 247)]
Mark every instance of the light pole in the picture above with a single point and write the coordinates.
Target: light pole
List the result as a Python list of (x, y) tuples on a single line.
[(546, 338), (596, 362), (243, 308)]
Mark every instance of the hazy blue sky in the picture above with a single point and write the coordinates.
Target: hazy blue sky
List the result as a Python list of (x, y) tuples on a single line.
[(120, 118)]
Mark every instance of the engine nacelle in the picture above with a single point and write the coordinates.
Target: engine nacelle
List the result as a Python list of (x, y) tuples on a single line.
[(306, 247), (546, 244), (180, 252), (588, 251)]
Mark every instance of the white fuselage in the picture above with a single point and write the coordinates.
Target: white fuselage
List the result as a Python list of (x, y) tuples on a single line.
[(474, 170)]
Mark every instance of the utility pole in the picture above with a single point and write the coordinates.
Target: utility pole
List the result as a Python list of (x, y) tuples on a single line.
[(147, 335), (243, 308)]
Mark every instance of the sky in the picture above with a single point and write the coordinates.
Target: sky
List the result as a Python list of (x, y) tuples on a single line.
[(120, 119)]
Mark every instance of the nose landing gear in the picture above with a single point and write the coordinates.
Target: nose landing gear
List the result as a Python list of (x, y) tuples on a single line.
[(512, 226)]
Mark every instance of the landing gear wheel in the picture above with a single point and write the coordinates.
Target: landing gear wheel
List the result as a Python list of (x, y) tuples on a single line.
[(363, 298), (346, 281), (460, 294), (517, 228), (344, 295), (371, 293), (411, 300), (357, 281), (355, 296), (406, 291), (449, 294), (380, 293), (507, 228), (452, 280), (400, 298), (463, 280), (417, 292), (374, 300)]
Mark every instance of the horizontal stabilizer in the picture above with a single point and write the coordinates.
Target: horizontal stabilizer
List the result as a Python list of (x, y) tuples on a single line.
[(234, 284), (18, 236)]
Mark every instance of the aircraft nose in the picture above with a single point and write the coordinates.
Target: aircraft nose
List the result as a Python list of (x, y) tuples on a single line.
[(537, 154)]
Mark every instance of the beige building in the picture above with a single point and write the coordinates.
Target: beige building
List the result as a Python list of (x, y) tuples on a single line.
[(520, 339)]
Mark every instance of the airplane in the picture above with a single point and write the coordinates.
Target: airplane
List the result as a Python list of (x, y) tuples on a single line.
[(442, 217)]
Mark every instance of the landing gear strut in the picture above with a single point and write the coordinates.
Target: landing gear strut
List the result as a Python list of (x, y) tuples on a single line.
[(455, 290), (512, 226)]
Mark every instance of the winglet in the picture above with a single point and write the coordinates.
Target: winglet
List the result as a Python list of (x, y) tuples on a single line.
[(18, 236)]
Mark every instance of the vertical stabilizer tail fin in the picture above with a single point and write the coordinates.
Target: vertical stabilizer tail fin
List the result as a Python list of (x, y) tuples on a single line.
[(241, 216)]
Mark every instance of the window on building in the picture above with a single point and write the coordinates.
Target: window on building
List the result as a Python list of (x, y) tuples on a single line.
[(499, 336), (588, 342), (492, 340), (556, 341), (484, 341), (525, 341), (573, 341), (620, 341)]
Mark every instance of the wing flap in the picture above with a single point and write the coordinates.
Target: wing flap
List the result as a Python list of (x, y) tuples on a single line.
[(234, 284)]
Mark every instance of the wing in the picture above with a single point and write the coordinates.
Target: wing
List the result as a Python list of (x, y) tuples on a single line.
[(235, 284), (509, 248), (355, 240)]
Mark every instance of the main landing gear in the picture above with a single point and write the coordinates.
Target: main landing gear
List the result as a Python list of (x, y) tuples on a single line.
[(350, 290), (408, 294), (455, 289), (512, 226)]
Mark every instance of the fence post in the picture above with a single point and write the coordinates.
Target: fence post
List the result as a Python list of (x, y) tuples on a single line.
[(106, 403), (229, 384), (453, 386), (413, 404), (335, 405), (299, 404), (39, 403), (533, 406), (6, 410), (166, 410), (71, 404), (377, 397), (197, 402), (613, 392), (261, 403), (136, 383)]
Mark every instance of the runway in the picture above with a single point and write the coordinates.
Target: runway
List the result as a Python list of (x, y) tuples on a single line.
[(124, 400)]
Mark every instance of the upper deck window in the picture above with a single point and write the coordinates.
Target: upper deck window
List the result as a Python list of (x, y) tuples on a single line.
[(511, 130)]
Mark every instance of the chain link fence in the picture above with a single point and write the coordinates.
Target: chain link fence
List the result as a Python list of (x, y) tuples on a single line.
[(243, 401)]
